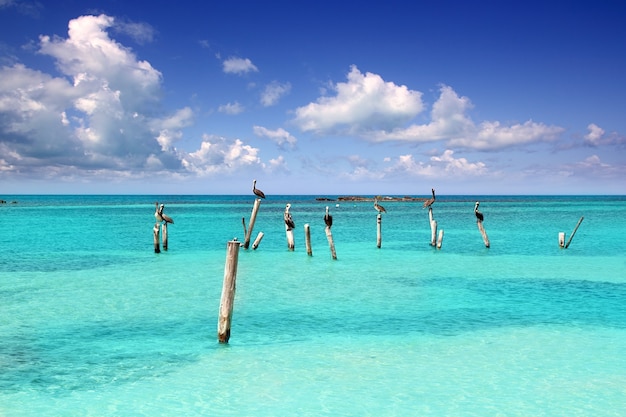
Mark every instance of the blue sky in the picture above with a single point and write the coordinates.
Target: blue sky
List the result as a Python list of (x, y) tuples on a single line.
[(324, 97)]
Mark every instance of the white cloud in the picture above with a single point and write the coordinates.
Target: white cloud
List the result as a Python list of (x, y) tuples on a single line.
[(216, 155), (273, 92), (369, 108), (444, 166), (364, 102), (140, 32), (238, 66), (595, 134), (280, 136), (231, 108)]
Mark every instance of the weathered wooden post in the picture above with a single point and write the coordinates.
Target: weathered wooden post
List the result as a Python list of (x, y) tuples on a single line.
[(561, 239), (331, 242), (440, 240), (228, 291), (155, 233), (379, 231), (255, 210), (307, 239), (574, 232), (257, 241), (164, 235), (433, 227)]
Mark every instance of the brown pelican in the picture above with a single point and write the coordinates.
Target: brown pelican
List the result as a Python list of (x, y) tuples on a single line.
[(328, 219), (479, 215), (431, 200), (160, 216), (256, 190), (287, 216), (378, 207)]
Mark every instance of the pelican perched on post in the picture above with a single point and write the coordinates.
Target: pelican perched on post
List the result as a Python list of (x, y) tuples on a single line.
[(479, 215), (378, 207), (287, 216), (328, 219), (431, 200), (160, 216), (256, 191)]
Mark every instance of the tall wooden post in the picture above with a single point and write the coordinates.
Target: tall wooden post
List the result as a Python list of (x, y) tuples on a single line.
[(379, 232), (331, 242), (228, 292), (291, 243), (164, 235), (255, 210), (433, 227), (574, 232), (483, 233), (155, 233), (307, 239)]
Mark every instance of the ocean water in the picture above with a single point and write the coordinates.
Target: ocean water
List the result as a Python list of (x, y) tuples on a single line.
[(94, 323)]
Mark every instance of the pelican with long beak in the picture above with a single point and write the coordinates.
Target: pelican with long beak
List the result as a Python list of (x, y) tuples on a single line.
[(160, 216), (378, 207), (479, 215), (288, 220), (431, 200), (328, 219), (256, 191)]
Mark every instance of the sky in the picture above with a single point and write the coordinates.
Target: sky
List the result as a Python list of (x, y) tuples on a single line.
[(312, 97)]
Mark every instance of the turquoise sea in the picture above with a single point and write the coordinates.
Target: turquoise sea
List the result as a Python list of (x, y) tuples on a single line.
[(94, 323)]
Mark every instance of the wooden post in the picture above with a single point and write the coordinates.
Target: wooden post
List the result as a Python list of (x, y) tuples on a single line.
[(379, 228), (331, 242), (243, 222), (228, 292), (307, 239), (257, 240), (574, 232), (483, 233), (155, 233), (433, 227), (164, 235), (561, 239), (440, 240), (255, 210), (291, 244)]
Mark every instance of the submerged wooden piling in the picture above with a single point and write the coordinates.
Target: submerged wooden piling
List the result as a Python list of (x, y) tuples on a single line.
[(164, 235), (379, 232), (331, 242), (228, 292), (574, 232), (155, 233), (257, 241), (561, 239), (307, 239), (255, 210)]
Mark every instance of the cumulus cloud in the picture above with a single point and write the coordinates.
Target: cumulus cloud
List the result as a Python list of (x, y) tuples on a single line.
[(363, 103), (444, 165), (280, 136), (238, 66), (216, 154), (273, 92), (231, 108), (368, 107), (103, 115)]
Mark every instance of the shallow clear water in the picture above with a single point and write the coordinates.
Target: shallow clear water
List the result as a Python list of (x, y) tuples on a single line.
[(94, 323)]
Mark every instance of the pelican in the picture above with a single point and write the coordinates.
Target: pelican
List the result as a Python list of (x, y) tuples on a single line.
[(328, 219), (378, 207), (256, 190), (288, 220), (160, 216), (431, 200), (479, 215)]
